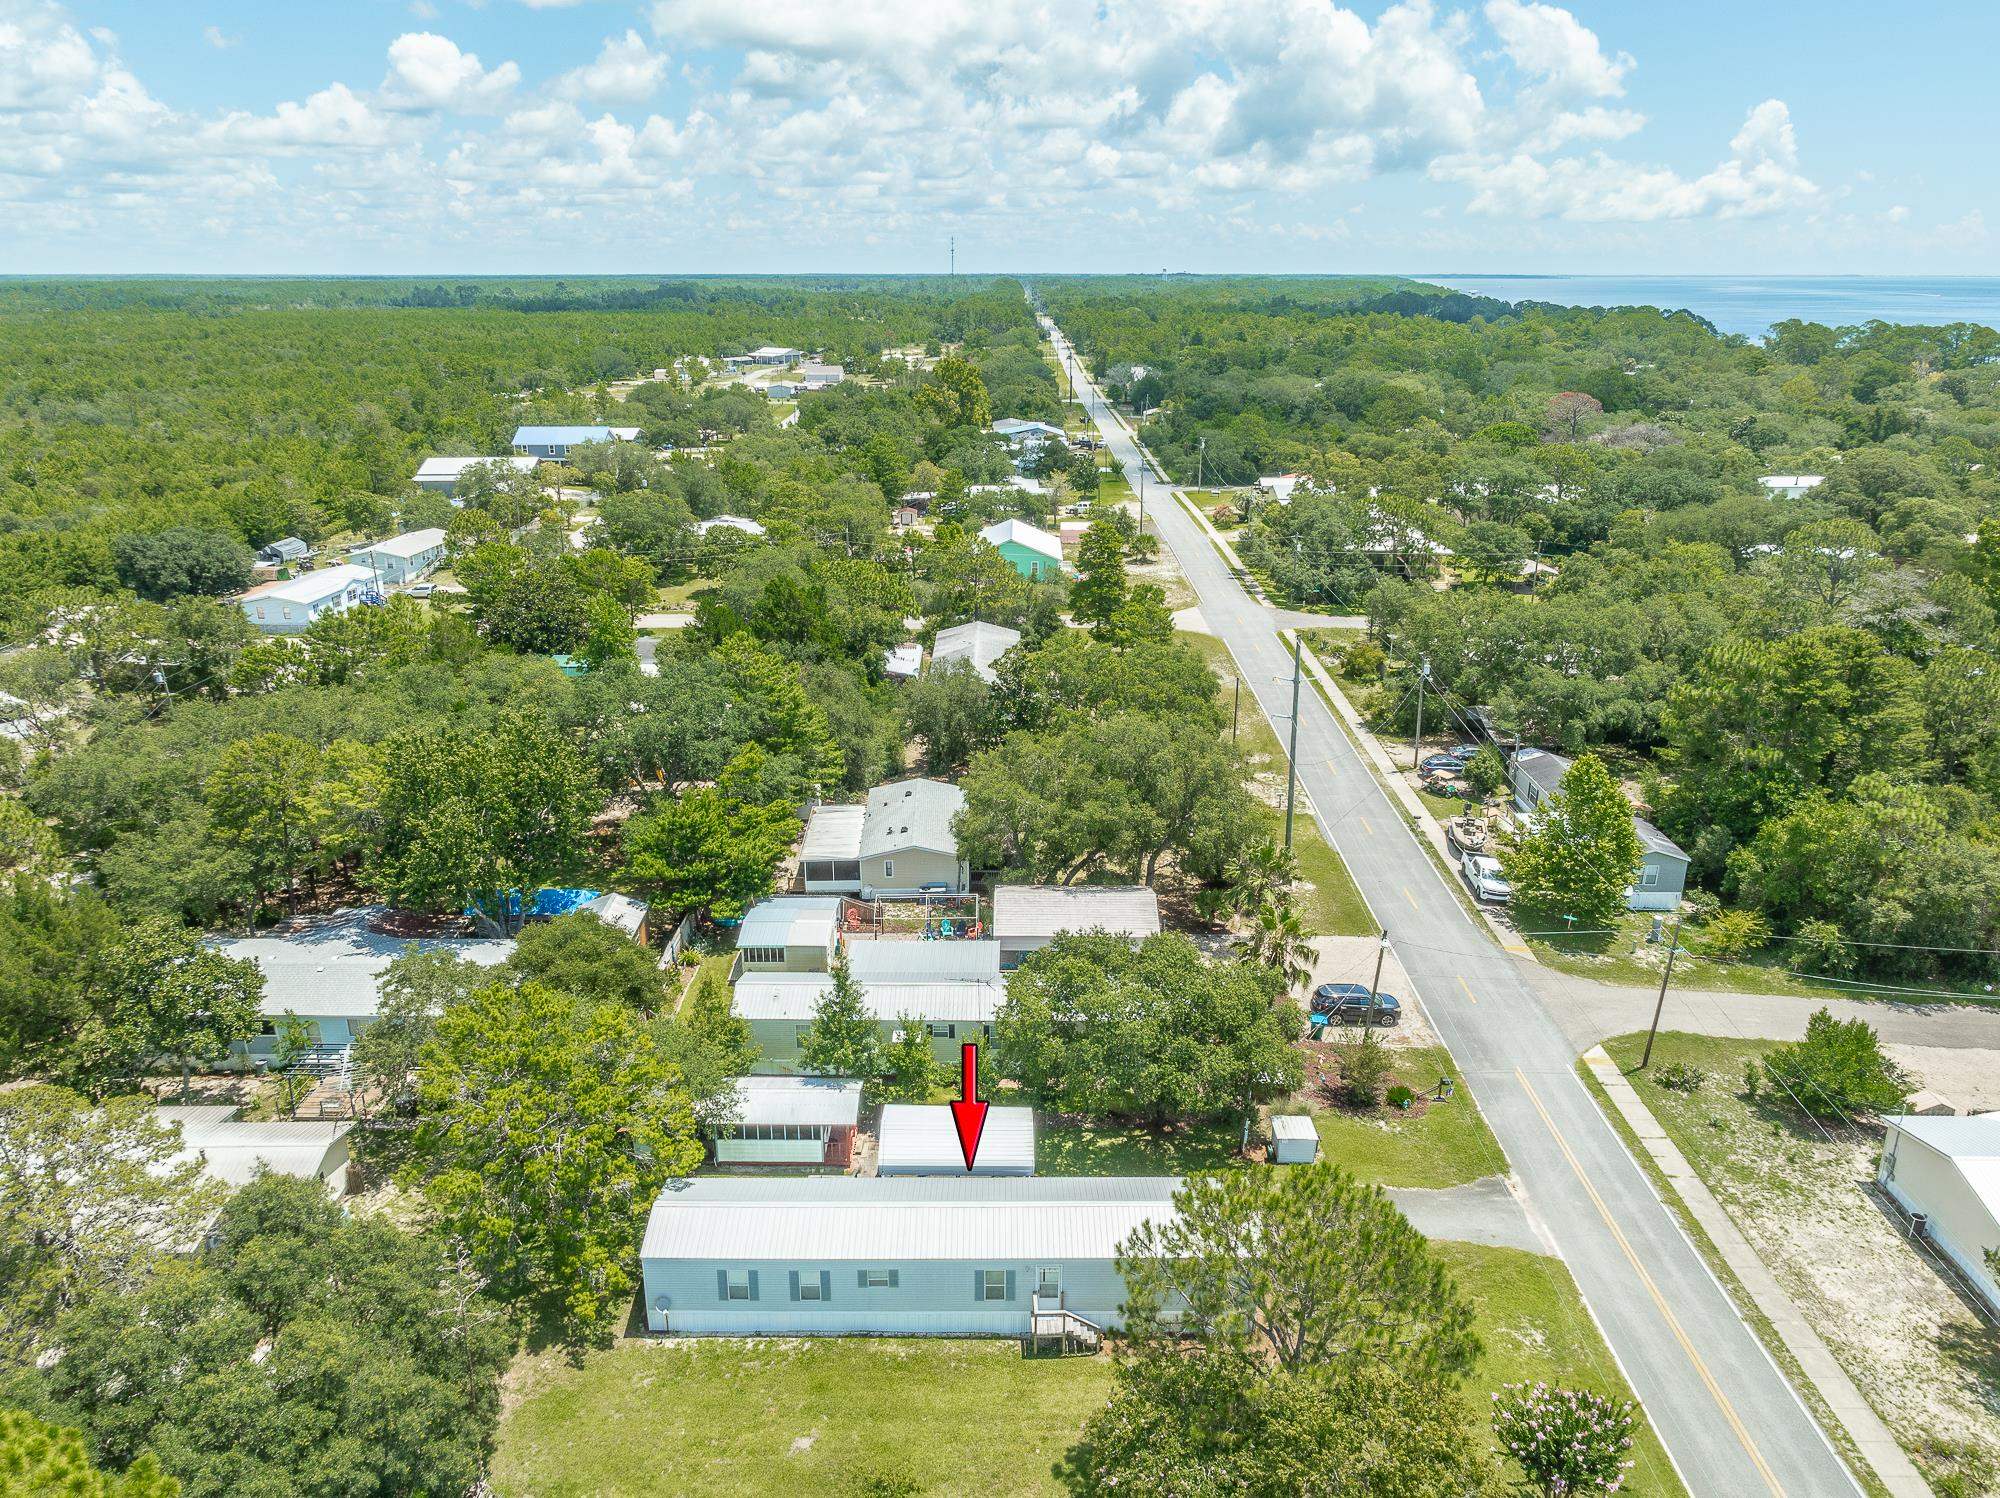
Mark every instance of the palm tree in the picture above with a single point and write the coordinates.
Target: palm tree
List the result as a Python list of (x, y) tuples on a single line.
[(1277, 939)]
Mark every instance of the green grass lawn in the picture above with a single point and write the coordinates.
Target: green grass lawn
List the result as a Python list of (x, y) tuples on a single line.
[(834, 1416), (858, 1415), (1448, 1145), (1533, 1325), (1077, 1147), (1334, 906), (682, 595)]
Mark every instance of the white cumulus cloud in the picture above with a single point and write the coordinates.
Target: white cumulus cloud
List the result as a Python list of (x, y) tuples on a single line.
[(428, 71), (625, 71)]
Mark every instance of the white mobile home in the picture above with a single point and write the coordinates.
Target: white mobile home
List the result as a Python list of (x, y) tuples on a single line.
[(327, 971), (921, 1139), (979, 644), (791, 1121), (404, 558), (289, 607), (953, 988), (442, 475), (1948, 1170), (235, 1152), (1027, 917), (846, 1255)]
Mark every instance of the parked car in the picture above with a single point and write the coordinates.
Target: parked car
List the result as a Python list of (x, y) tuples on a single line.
[(1483, 876), (421, 590), (1348, 1004), (1463, 751), (1450, 763)]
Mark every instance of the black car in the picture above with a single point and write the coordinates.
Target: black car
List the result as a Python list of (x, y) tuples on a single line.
[(1348, 1004)]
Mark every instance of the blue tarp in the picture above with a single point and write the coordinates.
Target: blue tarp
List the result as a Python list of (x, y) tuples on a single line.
[(547, 902)]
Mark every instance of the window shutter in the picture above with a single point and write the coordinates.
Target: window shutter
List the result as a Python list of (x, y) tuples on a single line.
[(753, 1284), (722, 1284), (861, 1279), (978, 1285), (826, 1284), (1010, 1284), (795, 1284), (894, 1274)]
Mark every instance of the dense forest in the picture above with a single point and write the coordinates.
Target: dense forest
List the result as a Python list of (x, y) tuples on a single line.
[(1561, 512)]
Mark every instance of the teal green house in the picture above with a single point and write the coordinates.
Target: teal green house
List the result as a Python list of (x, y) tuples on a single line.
[(1029, 549)]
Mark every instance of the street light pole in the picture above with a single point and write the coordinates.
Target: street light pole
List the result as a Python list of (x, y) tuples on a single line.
[(1374, 988), (1673, 946), (1292, 753)]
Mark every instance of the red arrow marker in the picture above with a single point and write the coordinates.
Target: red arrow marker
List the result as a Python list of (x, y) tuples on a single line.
[(968, 1112)]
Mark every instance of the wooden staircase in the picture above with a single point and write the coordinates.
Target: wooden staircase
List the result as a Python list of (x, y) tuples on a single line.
[(1054, 1329)]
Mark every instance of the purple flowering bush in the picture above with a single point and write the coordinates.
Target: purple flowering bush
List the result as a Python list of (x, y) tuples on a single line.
[(1568, 1441)]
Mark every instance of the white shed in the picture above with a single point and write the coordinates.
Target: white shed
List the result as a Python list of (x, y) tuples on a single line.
[(921, 1139), (1027, 917), (1294, 1140), (789, 934), (1948, 1170), (236, 1151)]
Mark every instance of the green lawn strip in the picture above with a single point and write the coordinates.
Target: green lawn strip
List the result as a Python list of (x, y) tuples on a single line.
[(681, 596), (1534, 1325), (719, 1418), (1101, 1147), (721, 962), (1447, 1144), (1335, 906), (1668, 1048)]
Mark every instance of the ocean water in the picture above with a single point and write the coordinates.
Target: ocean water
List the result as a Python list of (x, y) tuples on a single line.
[(1751, 304)]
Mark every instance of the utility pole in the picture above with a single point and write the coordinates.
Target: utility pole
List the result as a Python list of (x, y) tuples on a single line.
[(952, 252), (1417, 743), (1374, 988), (1292, 754), (1200, 459), (1235, 711), (1673, 946)]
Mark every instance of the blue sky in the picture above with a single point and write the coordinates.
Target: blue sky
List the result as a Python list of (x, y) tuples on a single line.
[(439, 136)]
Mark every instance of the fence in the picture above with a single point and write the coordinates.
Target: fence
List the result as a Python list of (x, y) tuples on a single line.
[(677, 940)]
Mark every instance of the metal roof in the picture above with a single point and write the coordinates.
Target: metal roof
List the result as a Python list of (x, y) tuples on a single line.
[(1292, 1126), (1546, 769), (833, 832), (1021, 533), (818, 1219), (908, 814), (921, 1139), (1655, 841), (1974, 1138), (409, 544), (903, 660), (795, 996), (453, 468), (978, 642), (790, 921), (889, 960), (311, 587), (328, 968), (833, 1101), (1045, 910), (619, 911), (233, 1150), (541, 436)]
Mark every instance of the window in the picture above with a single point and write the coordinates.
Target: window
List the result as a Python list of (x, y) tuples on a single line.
[(809, 1287), (943, 1032), (1048, 1281), (1649, 877), (763, 954), (876, 1279), (739, 1284), (993, 1284), (888, 868)]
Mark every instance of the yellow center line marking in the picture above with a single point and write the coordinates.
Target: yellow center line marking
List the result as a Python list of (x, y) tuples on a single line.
[(1659, 1300), (1364, 826), (1468, 988), (1412, 899)]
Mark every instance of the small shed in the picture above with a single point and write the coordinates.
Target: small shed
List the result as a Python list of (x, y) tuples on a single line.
[(620, 912), (789, 934), (791, 1121), (921, 1139), (1294, 1140), (1027, 917), (1947, 1171)]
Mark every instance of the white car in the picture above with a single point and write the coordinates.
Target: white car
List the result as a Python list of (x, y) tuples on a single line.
[(421, 590), (1483, 876)]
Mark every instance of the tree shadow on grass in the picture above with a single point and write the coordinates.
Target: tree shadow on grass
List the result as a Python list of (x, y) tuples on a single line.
[(1073, 1146)]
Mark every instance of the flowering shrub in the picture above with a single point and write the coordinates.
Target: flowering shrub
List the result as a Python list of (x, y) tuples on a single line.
[(1568, 1441)]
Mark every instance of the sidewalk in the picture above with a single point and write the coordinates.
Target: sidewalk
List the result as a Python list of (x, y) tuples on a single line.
[(1854, 1413)]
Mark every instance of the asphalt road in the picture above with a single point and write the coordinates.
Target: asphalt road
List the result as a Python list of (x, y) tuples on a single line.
[(1730, 1421)]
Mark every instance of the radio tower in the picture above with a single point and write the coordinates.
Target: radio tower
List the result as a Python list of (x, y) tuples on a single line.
[(952, 251)]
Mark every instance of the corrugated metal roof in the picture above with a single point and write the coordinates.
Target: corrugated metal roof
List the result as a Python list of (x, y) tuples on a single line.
[(888, 960), (328, 969), (907, 814), (621, 912), (1292, 1126), (233, 1150), (790, 921), (981, 1219), (1023, 911), (532, 436), (322, 582), (795, 996), (1021, 533), (409, 544), (453, 468), (833, 1101), (1974, 1138), (978, 642), (921, 1138), (833, 832)]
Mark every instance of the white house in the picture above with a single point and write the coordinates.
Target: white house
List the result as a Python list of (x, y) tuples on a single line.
[(1294, 1140), (772, 353), (1662, 873), (791, 1121), (442, 475), (1791, 485), (900, 844), (921, 1139), (554, 442), (816, 376), (1027, 917), (1280, 486), (289, 606), (1025, 436), (904, 662), (789, 934), (234, 1151), (404, 558), (729, 522), (977, 643), (845, 1255), (326, 971), (1948, 1170), (953, 988)]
